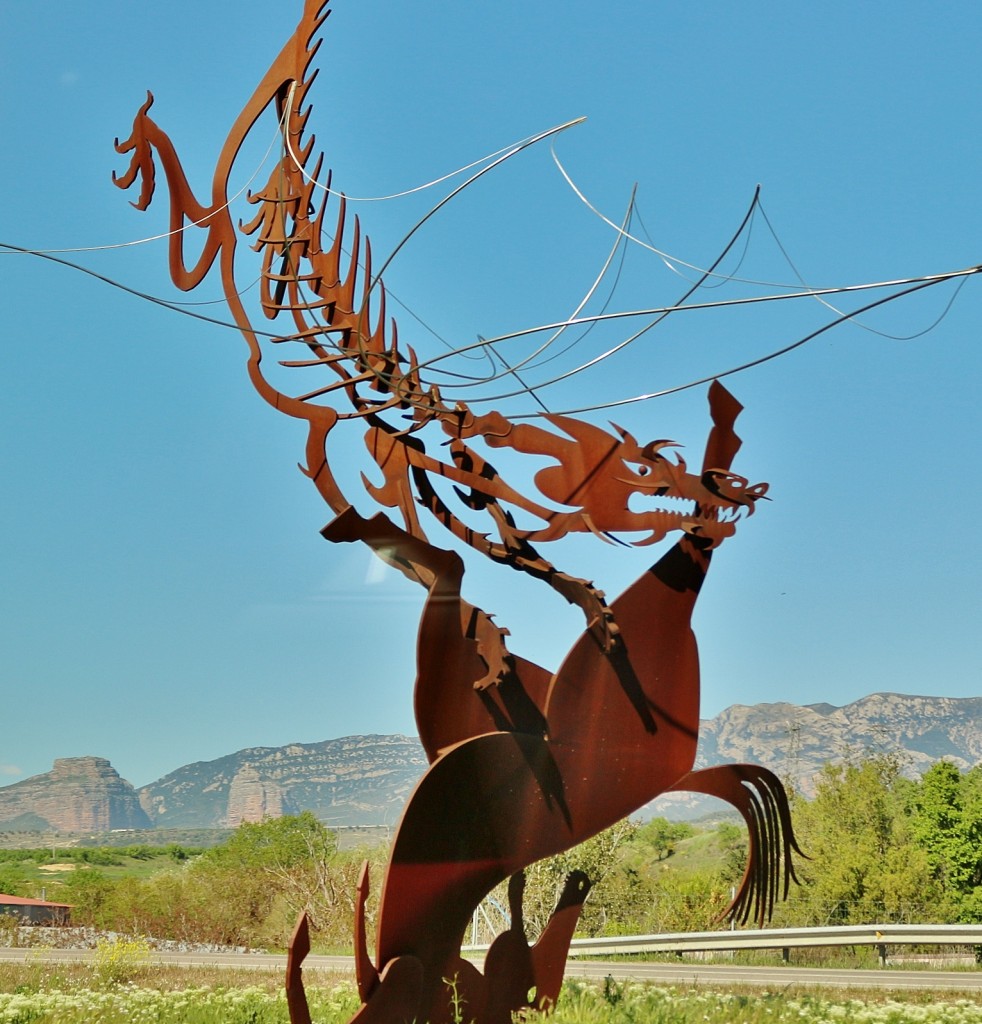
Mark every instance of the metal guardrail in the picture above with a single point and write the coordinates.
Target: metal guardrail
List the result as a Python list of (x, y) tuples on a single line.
[(879, 936)]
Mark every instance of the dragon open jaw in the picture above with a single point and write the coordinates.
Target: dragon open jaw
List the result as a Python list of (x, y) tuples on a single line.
[(713, 502), (711, 522)]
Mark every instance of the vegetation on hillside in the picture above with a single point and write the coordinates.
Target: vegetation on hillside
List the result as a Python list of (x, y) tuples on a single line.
[(886, 849), (882, 849)]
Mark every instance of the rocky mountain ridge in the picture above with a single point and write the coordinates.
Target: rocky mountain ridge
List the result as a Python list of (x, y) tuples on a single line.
[(794, 741), (79, 794), (366, 780), (355, 780)]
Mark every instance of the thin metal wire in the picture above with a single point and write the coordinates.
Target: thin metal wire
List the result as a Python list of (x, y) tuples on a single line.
[(376, 280), (667, 258), (562, 325), (514, 151), (924, 283), (311, 180), (747, 219), (287, 149), (510, 370), (531, 361), (177, 308), (917, 284), (722, 279), (486, 345), (619, 244), (866, 327), (723, 303), (662, 313)]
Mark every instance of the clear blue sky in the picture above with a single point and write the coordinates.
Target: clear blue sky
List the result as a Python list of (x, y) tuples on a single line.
[(165, 595)]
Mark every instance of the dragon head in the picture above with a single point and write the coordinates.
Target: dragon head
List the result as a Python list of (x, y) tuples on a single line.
[(141, 163), (606, 482), (620, 486), (707, 504)]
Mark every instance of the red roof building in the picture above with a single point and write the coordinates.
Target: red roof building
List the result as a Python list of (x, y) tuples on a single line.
[(35, 911)]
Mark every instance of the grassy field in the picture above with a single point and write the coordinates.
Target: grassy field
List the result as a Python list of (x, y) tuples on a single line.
[(51, 866), (29, 840), (348, 836), (32, 993), (702, 852)]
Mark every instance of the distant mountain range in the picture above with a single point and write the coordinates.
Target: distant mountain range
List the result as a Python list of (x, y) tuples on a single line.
[(366, 780), (795, 741), (355, 780)]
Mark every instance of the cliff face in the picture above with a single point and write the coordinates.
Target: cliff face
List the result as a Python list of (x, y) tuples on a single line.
[(253, 798), (356, 780), (795, 741), (80, 794)]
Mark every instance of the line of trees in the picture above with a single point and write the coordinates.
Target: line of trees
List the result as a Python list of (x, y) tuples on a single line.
[(886, 848), (247, 891), (882, 848)]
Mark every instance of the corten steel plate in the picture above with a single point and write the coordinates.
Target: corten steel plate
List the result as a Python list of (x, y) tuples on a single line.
[(525, 762)]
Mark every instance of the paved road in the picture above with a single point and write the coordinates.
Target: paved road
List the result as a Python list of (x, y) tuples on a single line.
[(727, 975), (688, 973)]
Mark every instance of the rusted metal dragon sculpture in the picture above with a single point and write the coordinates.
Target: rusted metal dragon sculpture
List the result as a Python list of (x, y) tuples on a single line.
[(524, 762)]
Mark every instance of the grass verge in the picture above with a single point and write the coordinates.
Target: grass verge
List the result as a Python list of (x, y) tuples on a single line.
[(73, 993)]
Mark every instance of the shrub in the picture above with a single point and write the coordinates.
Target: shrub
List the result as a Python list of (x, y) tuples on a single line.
[(121, 960)]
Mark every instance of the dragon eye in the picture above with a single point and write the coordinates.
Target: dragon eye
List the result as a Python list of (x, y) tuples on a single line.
[(642, 470)]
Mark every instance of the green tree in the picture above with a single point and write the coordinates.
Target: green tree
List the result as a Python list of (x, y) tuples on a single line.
[(947, 825), (90, 893), (614, 891), (246, 892), (734, 845), (864, 866), (290, 862), (688, 901), (275, 845), (13, 881), (659, 837)]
